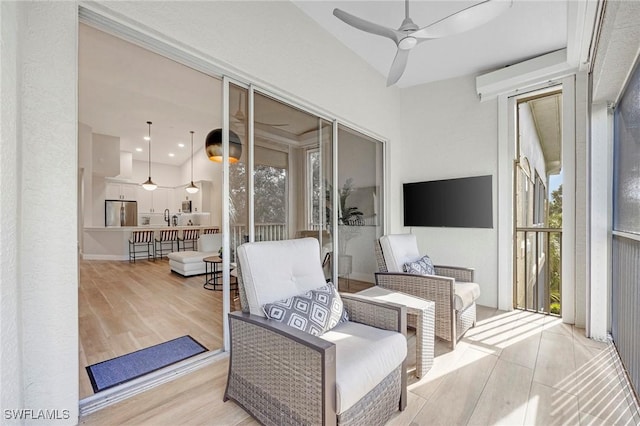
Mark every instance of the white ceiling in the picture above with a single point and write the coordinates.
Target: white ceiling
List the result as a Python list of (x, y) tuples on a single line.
[(526, 30), (122, 86)]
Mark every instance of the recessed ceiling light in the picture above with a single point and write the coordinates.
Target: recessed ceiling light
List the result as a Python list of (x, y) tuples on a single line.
[(171, 154), (147, 138), (139, 149), (181, 145)]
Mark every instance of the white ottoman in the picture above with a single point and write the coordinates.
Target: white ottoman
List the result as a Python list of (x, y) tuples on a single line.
[(188, 263)]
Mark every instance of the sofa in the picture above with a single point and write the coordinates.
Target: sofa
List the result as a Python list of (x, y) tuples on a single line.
[(188, 263)]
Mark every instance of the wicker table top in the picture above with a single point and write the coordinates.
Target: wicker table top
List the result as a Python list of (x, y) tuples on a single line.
[(411, 302)]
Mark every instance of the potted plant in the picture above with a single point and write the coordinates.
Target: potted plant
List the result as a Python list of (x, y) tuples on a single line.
[(348, 215), (349, 218)]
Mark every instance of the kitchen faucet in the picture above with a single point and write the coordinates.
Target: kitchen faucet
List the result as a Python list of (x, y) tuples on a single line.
[(167, 217)]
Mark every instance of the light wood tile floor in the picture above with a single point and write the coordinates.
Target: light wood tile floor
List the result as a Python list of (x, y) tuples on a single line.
[(514, 368), (124, 307)]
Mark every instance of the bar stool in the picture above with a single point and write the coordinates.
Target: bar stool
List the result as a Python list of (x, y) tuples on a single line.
[(189, 236), (144, 240), (168, 236), (214, 230)]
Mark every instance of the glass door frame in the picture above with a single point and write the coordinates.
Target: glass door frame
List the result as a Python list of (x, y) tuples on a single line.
[(250, 166)]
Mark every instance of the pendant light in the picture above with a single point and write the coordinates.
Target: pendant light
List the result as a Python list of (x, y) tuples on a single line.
[(213, 146), (149, 185), (192, 189)]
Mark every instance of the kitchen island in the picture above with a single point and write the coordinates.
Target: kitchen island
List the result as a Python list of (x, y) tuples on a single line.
[(112, 243)]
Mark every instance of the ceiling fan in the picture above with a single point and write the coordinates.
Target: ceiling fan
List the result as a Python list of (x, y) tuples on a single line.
[(409, 34), (239, 115)]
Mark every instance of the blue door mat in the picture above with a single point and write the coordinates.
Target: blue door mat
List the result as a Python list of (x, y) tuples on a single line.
[(116, 371)]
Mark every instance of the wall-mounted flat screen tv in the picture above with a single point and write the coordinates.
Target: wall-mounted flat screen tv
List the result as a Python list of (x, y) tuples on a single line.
[(459, 203)]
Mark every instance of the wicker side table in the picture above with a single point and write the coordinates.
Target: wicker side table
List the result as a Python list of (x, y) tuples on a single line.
[(425, 311)]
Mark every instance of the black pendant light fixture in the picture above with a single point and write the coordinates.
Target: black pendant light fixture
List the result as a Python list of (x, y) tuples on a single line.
[(192, 188), (149, 185), (213, 146)]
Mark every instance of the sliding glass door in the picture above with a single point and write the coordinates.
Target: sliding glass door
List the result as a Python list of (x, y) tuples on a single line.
[(290, 173)]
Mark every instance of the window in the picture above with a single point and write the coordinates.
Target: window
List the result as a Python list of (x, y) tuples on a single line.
[(270, 194), (314, 188)]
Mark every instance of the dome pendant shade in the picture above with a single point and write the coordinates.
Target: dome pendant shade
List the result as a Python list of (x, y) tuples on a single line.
[(213, 146), (149, 185), (192, 189)]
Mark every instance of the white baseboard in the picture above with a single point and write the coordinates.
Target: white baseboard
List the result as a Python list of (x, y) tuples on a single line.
[(103, 257), (359, 276)]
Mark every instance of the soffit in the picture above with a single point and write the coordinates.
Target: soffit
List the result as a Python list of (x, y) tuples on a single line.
[(547, 116)]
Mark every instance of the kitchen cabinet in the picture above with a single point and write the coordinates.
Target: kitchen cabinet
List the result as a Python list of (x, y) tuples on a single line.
[(201, 201), (161, 200), (153, 201), (121, 191), (196, 199)]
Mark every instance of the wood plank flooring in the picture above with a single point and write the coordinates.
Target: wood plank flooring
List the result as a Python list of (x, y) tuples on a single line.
[(514, 368), (124, 307)]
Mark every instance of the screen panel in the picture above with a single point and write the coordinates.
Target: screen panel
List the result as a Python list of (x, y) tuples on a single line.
[(626, 166)]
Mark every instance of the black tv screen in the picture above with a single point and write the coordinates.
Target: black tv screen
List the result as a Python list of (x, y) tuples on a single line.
[(459, 203)]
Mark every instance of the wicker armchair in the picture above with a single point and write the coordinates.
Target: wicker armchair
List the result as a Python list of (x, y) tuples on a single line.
[(444, 288), (284, 376)]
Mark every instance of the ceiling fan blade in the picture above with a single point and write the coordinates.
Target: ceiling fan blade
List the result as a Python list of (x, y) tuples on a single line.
[(398, 66), (464, 20), (367, 26)]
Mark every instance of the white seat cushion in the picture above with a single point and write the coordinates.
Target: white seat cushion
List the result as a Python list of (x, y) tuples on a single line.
[(190, 256), (278, 270), (465, 294), (399, 249), (364, 356)]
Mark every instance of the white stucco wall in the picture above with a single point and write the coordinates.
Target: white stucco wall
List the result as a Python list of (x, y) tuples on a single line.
[(41, 272), (448, 133), (11, 383)]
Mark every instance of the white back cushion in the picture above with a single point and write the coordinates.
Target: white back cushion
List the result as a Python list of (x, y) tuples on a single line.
[(277, 270), (210, 242), (399, 249)]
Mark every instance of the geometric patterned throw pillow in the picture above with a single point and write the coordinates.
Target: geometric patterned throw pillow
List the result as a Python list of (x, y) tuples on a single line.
[(422, 266), (314, 312)]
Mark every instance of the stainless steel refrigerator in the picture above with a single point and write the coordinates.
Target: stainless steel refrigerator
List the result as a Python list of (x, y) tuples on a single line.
[(120, 213)]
